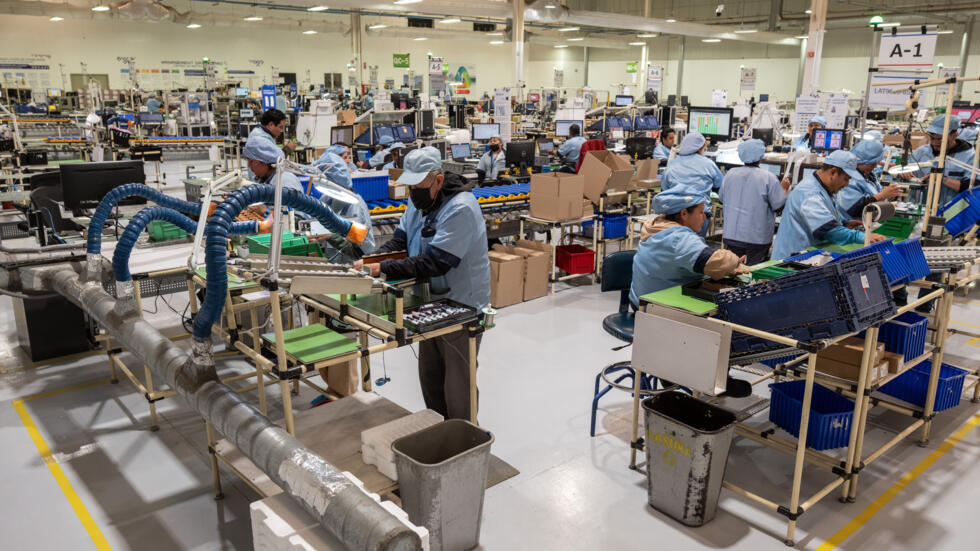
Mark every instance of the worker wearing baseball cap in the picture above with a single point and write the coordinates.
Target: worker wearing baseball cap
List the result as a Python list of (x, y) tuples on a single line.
[(955, 179)]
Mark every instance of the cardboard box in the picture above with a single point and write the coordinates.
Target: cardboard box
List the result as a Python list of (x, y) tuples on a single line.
[(848, 371), (396, 191), (557, 196), (917, 138), (587, 209), (646, 174), (343, 378), (537, 268), (605, 171), (850, 350), (346, 118), (546, 248), (896, 362), (506, 279)]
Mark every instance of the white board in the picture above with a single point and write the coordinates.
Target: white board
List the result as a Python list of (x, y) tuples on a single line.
[(907, 50), (683, 348)]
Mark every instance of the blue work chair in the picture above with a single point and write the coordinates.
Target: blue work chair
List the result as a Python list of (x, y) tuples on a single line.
[(617, 275)]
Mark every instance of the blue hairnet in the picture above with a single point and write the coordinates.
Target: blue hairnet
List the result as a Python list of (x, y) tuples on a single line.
[(677, 198), (336, 149), (751, 151), (334, 169), (868, 152), (386, 140), (262, 149), (822, 121), (937, 125), (968, 134), (691, 143)]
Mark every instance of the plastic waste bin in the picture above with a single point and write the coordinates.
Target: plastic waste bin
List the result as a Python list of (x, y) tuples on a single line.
[(687, 445), (442, 475)]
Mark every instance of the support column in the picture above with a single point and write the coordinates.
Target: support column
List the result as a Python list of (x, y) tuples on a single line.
[(774, 10), (799, 74), (518, 39), (680, 70), (811, 68), (964, 52), (585, 76), (356, 44), (644, 55)]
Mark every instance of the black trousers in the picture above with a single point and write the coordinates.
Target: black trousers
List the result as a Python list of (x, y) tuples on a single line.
[(444, 374), (753, 254)]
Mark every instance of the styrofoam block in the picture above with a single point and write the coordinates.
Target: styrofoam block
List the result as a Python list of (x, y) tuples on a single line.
[(381, 436)]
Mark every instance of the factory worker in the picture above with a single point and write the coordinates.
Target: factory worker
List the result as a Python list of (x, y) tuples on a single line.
[(272, 125), (369, 100), (262, 154), (803, 142), (444, 233), (572, 147), (341, 151), (377, 160), (811, 216), (751, 196), (337, 248), (955, 179), (153, 105), (691, 167), (395, 151), (492, 162), (863, 191), (667, 139)]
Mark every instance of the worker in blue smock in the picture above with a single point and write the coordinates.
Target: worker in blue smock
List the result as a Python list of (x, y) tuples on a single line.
[(667, 139), (445, 236), (153, 105), (369, 100), (811, 216), (271, 126), (863, 191), (378, 159), (751, 197), (343, 152), (261, 155), (691, 167), (393, 156), (492, 162), (955, 179), (337, 248), (803, 142), (572, 147)]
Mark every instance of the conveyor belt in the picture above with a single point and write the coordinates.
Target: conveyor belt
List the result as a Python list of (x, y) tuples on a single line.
[(484, 195)]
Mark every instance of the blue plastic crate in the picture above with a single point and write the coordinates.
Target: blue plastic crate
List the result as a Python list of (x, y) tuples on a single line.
[(613, 226), (911, 251), (804, 256), (962, 211), (905, 335), (372, 188), (912, 386), (896, 268), (831, 414)]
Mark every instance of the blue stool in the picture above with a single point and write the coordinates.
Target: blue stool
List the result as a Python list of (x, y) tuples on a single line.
[(617, 275)]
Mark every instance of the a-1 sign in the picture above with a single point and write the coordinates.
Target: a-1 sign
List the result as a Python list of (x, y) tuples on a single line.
[(907, 50)]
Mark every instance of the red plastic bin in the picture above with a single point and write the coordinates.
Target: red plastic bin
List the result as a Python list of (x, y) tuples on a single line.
[(575, 259)]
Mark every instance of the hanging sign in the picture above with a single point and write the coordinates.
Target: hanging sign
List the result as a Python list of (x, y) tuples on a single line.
[(435, 66), (400, 60), (631, 66), (655, 77), (908, 50)]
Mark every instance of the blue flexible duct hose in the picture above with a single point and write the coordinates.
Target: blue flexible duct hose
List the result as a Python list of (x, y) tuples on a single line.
[(130, 190), (120, 257), (216, 233)]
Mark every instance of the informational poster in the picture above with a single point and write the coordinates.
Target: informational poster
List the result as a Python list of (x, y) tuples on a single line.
[(807, 107), (907, 50), (747, 80), (836, 111), (559, 78), (893, 96), (719, 98), (400, 61), (373, 76), (268, 96), (944, 73), (655, 78), (463, 79), (502, 111)]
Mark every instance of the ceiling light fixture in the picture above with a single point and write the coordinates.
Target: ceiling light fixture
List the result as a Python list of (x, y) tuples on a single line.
[(883, 25), (400, 2), (876, 20), (746, 31), (944, 32), (193, 26), (569, 29), (378, 26), (100, 7), (253, 18), (638, 43), (672, 20), (56, 19), (647, 35), (711, 40), (808, 12), (495, 34), (449, 20), (495, 42), (311, 31), (802, 36), (419, 38), (561, 46), (575, 39), (317, 8)]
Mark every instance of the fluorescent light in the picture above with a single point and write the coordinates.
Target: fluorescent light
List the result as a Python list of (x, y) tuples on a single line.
[(317, 8), (808, 12), (495, 34), (647, 35), (311, 31), (193, 26), (638, 43), (672, 20), (575, 39), (100, 8), (944, 32), (56, 18), (568, 29), (890, 25), (419, 38), (407, 1), (253, 18), (378, 26), (802, 36), (711, 40), (561, 46), (550, 7), (450, 20), (495, 42), (746, 31)]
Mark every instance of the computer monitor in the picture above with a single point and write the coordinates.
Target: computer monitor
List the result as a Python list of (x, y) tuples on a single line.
[(714, 123), (520, 154), (84, 185), (624, 101), (427, 123), (764, 134), (485, 131), (241, 92), (363, 155), (562, 127), (54, 93), (440, 146), (640, 147), (671, 100), (534, 97), (763, 97), (877, 115), (459, 151), (852, 121), (545, 146), (684, 102), (776, 169), (342, 135), (826, 139)]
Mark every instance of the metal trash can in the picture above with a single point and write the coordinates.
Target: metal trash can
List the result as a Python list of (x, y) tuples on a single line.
[(687, 444), (442, 475)]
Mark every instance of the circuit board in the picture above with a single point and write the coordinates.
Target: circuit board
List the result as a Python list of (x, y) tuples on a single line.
[(437, 314)]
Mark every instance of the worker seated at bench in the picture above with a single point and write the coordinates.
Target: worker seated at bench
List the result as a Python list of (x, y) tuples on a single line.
[(492, 162), (667, 140), (337, 248)]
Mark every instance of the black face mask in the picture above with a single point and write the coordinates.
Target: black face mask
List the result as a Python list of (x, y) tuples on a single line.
[(494, 147), (421, 198)]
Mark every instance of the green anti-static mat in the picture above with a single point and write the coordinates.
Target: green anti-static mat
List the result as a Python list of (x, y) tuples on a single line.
[(314, 343), (677, 299), (234, 282), (834, 248)]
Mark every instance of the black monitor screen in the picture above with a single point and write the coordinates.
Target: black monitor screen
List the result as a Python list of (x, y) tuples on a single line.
[(342, 135), (640, 147), (460, 150), (84, 185), (764, 134), (520, 153), (545, 146)]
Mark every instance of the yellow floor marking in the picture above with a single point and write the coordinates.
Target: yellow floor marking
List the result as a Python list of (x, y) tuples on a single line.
[(878, 504)]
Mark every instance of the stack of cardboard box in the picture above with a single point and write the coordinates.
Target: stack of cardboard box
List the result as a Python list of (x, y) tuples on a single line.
[(519, 273), (558, 196), (604, 171), (843, 360)]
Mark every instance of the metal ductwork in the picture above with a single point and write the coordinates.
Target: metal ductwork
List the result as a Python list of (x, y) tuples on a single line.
[(144, 9), (545, 11)]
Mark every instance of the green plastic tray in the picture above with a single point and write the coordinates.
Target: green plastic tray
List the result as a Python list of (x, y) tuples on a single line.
[(314, 343), (673, 297)]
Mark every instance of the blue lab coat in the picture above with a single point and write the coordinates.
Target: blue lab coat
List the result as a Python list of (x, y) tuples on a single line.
[(694, 170), (962, 152), (673, 256), (751, 197), (661, 152), (811, 217), (153, 105), (855, 190)]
